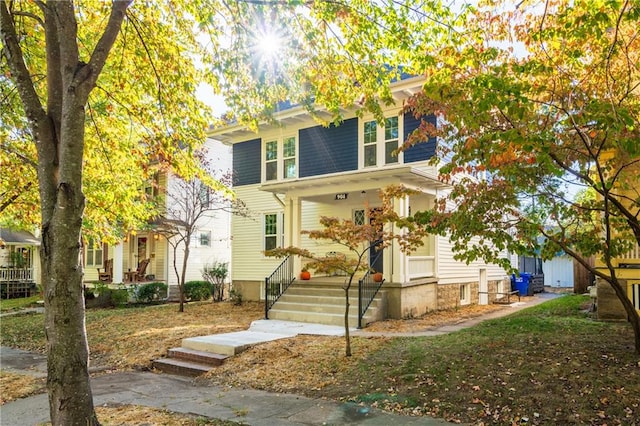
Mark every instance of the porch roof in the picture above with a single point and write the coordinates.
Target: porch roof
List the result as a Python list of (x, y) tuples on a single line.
[(8, 236), (358, 180)]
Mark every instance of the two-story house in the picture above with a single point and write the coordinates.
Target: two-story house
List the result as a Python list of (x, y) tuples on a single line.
[(146, 255), (292, 173)]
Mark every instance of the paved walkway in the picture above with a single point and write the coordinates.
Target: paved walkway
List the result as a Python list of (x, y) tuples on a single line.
[(250, 407)]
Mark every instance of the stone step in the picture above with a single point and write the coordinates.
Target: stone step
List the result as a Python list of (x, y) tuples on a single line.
[(201, 357), (180, 367)]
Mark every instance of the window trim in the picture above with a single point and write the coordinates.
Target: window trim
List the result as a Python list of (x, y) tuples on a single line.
[(90, 254), (380, 141), (280, 158), (279, 229), (465, 294)]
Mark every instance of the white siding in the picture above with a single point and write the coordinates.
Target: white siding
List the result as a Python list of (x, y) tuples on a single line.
[(451, 271), (248, 240), (218, 223), (558, 272)]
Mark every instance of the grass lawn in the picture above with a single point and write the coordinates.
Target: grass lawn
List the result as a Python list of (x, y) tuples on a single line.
[(546, 365)]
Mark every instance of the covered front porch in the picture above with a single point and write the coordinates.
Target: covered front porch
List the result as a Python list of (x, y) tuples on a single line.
[(140, 257), (353, 196)]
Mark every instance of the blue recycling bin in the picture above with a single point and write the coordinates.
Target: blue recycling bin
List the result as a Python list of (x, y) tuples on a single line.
[(521, 283)]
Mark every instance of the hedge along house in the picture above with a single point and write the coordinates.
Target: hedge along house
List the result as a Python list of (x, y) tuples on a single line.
[(292, 173), (149, 248)]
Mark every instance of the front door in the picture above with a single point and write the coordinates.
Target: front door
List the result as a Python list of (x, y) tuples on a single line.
[(141, 250), (375, 255)]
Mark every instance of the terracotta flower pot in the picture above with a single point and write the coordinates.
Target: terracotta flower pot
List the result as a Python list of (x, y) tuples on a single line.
[(305, 275), (377, 277)]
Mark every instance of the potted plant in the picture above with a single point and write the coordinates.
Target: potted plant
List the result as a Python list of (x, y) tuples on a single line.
[(377, 277), (305, 274)]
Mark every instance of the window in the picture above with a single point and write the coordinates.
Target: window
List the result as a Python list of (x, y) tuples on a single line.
[(271, 157), (370, 140), (94, 254), (390, 140), (358, 217), (465, 296), (204, 195), (285, 150), (289, 157), (205, 239), (380, 142), (273, 235)]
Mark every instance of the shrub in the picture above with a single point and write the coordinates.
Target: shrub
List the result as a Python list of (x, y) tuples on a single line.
[(197, 290), (216, 274), (235, 296), (151, 292)]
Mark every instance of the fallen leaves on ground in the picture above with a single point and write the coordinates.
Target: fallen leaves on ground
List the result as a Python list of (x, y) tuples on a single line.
[(433, 319), (15, 386)]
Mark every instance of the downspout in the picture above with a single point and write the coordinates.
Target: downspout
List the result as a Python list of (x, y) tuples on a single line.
[(275, 196)]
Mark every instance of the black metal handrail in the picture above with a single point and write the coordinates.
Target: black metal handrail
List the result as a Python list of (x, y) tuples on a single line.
[(367, 290), (277, 283)]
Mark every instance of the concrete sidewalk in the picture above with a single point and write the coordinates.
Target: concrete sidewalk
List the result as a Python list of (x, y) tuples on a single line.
[(252, 407), (181, 395)]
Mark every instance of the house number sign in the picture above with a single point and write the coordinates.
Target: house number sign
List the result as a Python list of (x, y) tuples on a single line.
[(342, 196)]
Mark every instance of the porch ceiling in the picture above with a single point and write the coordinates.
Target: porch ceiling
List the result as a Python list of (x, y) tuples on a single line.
[(325, 188), (8, 236)]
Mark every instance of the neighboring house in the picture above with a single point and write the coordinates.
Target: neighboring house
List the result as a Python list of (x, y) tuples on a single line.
[(627, 266), (19, 263), (211, 242), (290, 174)]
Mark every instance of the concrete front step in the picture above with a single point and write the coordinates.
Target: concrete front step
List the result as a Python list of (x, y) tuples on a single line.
[(230, 343), (315, 317), (323, 303), (188, 362), (326, 308)]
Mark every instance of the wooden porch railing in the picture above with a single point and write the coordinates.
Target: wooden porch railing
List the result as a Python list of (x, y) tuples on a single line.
[(16, 274)]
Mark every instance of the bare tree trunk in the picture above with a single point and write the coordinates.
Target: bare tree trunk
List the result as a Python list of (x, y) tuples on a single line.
[(632, 314), (347, 335)]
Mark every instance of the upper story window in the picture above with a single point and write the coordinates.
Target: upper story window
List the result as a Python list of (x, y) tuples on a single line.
[(380, 142), (280, 158), (370, 142), (390, 140)]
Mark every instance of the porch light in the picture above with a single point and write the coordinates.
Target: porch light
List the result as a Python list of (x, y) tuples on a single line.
[(156, 236)]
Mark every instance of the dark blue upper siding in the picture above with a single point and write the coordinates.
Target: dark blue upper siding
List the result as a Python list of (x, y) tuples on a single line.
[(330, 149), (247, 162), (421, 151)]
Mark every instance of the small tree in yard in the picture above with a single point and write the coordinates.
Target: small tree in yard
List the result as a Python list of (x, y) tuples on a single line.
[(384, 227), (568, 111), (216, 274)]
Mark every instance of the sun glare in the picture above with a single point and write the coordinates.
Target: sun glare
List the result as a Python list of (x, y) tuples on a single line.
[(269, 45)]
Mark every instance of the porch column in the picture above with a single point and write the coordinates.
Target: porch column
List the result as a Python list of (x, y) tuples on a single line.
[(117, 263), (293, 226), (398, 260)]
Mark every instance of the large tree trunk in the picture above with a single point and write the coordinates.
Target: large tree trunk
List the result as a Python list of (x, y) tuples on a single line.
[(70, 398), (59, 134)]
